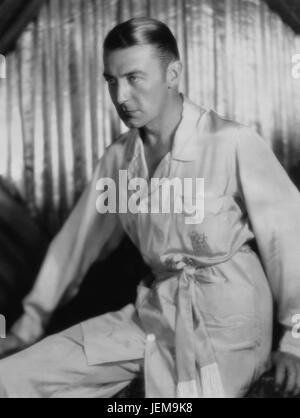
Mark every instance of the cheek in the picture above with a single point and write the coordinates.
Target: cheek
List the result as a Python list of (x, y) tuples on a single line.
[(113, 95), (152, 95)]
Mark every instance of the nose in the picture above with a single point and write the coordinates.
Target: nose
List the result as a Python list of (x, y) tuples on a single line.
[(122, 92)]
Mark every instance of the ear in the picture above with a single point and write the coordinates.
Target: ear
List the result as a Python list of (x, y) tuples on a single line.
[(174, 71)]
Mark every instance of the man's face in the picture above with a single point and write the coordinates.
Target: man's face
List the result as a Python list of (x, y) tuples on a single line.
[(137, 84)]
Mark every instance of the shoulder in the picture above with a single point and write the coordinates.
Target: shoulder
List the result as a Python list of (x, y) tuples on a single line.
[(215, 123), (121, 146), (223, 131), (116, 155), (206, 121), (119, 150), (210, 127), (220, 127)]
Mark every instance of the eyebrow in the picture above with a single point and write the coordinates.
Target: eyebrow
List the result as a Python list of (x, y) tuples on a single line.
[(106, 75)]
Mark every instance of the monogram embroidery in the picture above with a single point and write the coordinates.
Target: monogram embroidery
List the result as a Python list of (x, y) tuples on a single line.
[(159, 233), (199, 242)]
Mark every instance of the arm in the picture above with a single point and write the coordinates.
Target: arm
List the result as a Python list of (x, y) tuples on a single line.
[(273, 206), (84, 235)]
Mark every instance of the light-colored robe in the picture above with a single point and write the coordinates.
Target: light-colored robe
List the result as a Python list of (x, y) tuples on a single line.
[(207, 307)]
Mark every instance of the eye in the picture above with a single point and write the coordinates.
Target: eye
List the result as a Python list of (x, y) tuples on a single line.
[(111, 81), (133, 79)]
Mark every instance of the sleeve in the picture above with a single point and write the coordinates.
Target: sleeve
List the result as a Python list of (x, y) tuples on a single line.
[(273, 205), (85, 234)]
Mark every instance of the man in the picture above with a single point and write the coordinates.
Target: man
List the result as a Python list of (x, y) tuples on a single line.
[(202, 322)]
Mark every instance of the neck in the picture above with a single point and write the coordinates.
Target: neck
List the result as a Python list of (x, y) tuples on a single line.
[(160, 132)]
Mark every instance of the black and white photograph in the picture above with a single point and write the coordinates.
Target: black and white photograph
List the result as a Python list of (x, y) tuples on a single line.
[(149, 201)]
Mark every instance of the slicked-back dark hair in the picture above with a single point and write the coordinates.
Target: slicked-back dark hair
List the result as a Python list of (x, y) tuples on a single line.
[(143, 31)]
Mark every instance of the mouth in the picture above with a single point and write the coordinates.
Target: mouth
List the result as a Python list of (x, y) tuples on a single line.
[(129, 113)]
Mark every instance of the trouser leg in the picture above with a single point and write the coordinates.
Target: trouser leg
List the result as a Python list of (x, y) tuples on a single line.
[(57, 367)]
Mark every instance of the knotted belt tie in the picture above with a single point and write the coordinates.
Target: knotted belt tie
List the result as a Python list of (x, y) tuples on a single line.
[(192, 343)]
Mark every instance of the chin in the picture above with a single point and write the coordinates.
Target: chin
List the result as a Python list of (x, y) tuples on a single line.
[(133, 123)]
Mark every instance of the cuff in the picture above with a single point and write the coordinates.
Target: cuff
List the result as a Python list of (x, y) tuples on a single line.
[(27, 329)]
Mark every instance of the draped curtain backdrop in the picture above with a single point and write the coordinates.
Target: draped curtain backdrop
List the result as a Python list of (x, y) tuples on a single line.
[(14, 17), (55, 113)]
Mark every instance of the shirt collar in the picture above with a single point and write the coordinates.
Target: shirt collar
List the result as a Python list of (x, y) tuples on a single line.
[(185, 140)]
